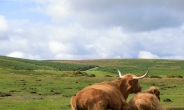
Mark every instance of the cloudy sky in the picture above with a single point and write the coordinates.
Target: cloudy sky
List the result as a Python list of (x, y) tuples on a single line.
[(92, 29)]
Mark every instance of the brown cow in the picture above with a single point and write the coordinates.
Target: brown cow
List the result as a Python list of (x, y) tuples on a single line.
[(107, 95), (148, 100)]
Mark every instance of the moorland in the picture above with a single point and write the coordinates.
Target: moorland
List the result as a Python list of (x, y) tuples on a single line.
[(48, 85)]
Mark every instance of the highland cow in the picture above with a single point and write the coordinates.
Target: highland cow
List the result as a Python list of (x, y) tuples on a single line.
[(148, 100), (107, 95)]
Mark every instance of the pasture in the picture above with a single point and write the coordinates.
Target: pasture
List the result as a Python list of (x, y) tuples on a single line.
[(53, 92), (39, 89)]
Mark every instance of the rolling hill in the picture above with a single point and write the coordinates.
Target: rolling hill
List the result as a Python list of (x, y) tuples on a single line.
[(25, 64), (136, 66)]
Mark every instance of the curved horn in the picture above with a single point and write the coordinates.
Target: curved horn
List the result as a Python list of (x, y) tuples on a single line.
[(140, 77), (119, 72)]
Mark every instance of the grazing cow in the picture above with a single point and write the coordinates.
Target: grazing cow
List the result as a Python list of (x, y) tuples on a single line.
[(148, 100), (107, 95)]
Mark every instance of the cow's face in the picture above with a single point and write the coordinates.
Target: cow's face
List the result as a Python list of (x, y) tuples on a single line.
[(131, 81), (134, 86), (130, 85)]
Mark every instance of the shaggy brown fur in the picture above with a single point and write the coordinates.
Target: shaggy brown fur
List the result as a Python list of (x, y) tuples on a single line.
[(155, 91), (106, 95), (148, 100)]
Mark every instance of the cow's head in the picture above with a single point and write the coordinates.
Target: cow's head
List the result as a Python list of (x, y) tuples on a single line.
[(155, 91), (129, 83)]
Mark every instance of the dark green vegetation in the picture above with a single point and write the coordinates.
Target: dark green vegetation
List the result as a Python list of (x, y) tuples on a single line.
[(24, 64), (136, 66), (49, 85)]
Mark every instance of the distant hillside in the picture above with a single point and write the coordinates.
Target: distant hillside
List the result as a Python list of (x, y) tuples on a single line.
[(138, 66), (25, 64)]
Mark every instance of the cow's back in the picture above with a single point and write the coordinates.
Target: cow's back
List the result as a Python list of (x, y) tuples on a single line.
[(100, 97), (145, 101)]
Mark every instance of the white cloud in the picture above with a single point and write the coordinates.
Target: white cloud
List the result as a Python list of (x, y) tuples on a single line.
[(59, 10), (173, 57), (19, 54), (163, 42), (58, 47), (3, 25), (134, 16), (93, 29), (147, 55)]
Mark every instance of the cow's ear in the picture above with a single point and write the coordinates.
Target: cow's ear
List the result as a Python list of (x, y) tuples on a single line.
[(156, 91)]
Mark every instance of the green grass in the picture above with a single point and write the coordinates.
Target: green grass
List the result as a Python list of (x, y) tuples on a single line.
[(43, 88), (52, 92)]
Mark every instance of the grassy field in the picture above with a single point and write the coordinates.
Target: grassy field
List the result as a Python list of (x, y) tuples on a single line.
[(52, 92), (46, 89)]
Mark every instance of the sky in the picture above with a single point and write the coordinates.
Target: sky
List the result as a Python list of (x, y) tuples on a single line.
[(92, 29)]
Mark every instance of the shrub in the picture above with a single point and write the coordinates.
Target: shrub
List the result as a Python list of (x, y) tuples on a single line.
[(170, 76), (108, 76), (64, 75), (155, 77), (73, 73), (179, 76), (78, 73), (91, 75)]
